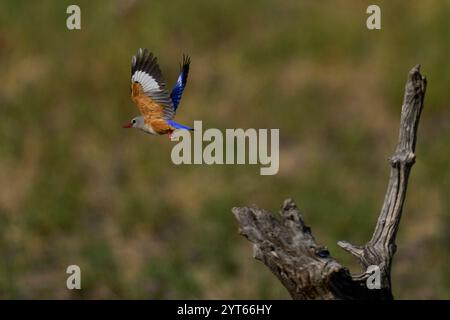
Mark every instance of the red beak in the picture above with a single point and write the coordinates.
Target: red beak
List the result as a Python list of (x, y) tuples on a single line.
[(128, 125)]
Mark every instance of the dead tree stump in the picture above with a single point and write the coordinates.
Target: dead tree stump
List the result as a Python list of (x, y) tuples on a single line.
[(286, 245)]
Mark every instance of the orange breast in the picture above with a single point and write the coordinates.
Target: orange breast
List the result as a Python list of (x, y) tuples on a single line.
[(160, 126)]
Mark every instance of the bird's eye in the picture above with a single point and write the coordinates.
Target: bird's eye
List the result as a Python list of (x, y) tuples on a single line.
[(134, 121)]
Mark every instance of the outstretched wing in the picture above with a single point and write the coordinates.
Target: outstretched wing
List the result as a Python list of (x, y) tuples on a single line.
[(149, 87), (178, 89)]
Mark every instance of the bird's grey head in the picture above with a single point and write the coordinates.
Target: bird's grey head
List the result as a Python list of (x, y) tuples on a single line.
[(137, 122)]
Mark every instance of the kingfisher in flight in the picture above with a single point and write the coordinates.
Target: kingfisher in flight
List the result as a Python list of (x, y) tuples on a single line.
[(149, 93)]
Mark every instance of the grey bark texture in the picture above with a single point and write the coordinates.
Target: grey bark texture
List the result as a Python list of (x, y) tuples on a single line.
[(306, 269)]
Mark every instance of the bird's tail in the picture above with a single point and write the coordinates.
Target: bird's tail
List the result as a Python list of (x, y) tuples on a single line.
[(178, 125)]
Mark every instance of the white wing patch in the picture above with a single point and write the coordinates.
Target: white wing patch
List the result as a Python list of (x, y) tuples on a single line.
[(146, 72), (180, 80), (147, 82)]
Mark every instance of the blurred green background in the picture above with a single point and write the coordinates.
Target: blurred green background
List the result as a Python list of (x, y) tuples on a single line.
[(76, 188)]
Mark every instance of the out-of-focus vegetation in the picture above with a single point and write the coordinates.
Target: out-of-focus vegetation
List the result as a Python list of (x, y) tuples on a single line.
[(76, 188)]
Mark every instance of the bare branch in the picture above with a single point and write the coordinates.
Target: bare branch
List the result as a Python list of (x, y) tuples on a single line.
[(380, 249)]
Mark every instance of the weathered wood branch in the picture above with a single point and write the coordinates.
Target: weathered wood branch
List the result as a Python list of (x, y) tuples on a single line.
[(307, 270)]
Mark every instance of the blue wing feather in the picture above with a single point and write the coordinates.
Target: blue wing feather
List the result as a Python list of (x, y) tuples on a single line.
[(178, 89), (178, 125)]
